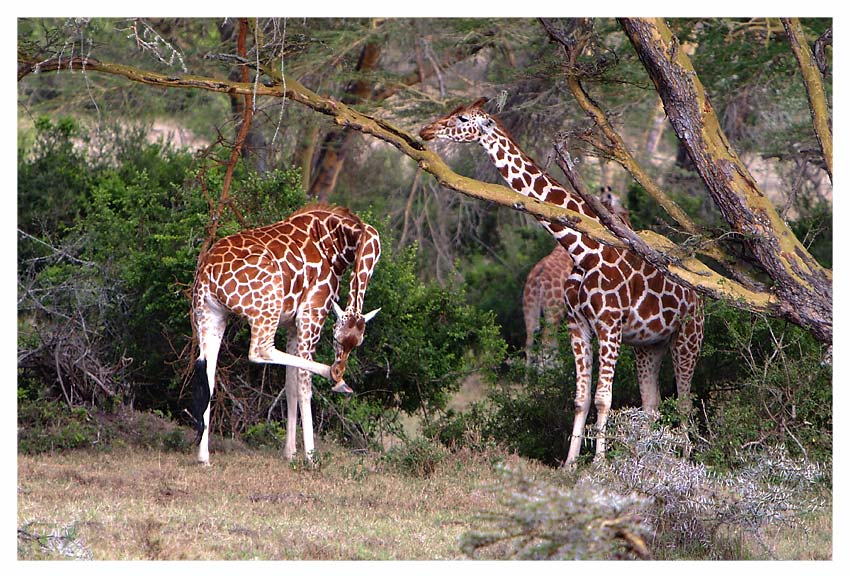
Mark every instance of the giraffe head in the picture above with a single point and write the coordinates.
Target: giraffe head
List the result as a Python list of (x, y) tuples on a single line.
[(464, 124), (613, 203), (348, 334)]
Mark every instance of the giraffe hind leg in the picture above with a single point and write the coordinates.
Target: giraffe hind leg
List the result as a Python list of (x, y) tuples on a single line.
[(210, 328), (686, 349), (648, 361), (200, 397), (685, 352)]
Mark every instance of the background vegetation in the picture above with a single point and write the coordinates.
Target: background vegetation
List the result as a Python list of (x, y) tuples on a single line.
[(111, 219)]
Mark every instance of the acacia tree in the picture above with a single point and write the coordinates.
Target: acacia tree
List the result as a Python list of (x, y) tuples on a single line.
[(800, 290)]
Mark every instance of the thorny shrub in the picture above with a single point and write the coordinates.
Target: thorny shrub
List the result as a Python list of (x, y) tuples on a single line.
[(689, 503), (540, 521), (645, 501)]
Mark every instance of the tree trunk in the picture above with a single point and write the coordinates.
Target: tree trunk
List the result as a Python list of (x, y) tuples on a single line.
[(255, 142), (803, 287), (333, 149)]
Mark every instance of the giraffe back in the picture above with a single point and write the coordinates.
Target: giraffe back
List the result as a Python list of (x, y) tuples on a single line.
[(280, 267)]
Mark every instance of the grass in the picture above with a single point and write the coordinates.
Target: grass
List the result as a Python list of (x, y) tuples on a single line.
[(149, 504), (141, 496)]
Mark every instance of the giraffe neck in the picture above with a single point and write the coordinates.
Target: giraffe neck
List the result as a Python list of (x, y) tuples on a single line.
[(527, 179), (366, 257)]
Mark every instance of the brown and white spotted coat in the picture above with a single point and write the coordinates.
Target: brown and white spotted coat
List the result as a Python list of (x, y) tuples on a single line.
[(543, 292), (612, 293), (286, 273)]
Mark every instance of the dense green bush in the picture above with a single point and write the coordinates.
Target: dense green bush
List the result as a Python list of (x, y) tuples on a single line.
[(768, 387), (416, 351), (54, 177)]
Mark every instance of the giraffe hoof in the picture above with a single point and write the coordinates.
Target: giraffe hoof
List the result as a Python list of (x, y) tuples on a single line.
[(342, 387)]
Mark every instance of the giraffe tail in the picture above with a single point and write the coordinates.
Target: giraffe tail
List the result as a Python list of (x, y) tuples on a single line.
[(200, 397)]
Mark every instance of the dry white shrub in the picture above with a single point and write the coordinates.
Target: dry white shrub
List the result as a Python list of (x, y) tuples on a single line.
[(645, 498)]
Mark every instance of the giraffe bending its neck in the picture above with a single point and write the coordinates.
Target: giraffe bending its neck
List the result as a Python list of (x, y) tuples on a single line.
[(543, 293), (286, 273), (611, 293)]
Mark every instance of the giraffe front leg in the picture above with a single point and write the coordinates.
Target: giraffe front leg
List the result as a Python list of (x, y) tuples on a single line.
[(309, 331), (583, 353), (609, 352), (290, 446)]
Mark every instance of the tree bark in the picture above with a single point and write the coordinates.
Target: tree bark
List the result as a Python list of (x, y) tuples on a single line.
[(334, 147), (803, 287), (810, 70)]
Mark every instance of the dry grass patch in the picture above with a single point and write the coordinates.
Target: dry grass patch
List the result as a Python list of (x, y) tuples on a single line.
[(149, 504)]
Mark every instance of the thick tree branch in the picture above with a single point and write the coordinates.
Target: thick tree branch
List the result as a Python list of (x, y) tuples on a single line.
[(617, 149), (802, 285), (814, 87)]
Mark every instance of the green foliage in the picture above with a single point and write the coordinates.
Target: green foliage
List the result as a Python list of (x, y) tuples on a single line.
[(47, 425), (496, 284), (769, 387), (265, 435), (425, 339), (469, 428), (419, 457), (361, 421), (53, 176), (269, 197)]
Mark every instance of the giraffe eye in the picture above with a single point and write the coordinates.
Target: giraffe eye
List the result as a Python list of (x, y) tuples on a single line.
[(463, 118)]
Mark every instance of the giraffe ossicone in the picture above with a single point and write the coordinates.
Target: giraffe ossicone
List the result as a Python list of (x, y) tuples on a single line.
[(611, 293), (285, 273)]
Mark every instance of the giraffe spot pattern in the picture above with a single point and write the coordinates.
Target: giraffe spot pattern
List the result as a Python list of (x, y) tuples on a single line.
[(609, 290)]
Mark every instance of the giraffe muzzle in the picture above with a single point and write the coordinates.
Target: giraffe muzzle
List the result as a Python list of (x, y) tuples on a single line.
[(341, 387), (428, 132)]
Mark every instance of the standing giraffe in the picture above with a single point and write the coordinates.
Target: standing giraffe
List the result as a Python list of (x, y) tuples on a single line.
[(543, 293), (612, 293), (286, 273)]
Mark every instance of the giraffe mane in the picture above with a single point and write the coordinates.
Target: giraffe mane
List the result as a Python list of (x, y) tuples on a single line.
[(477, 104), (320, 206)]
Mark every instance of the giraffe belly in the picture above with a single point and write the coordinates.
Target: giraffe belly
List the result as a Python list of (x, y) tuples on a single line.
[(640, 329)]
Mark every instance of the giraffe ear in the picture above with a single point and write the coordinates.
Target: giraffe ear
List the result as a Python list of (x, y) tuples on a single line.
[(338, 310), (368, 317)]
